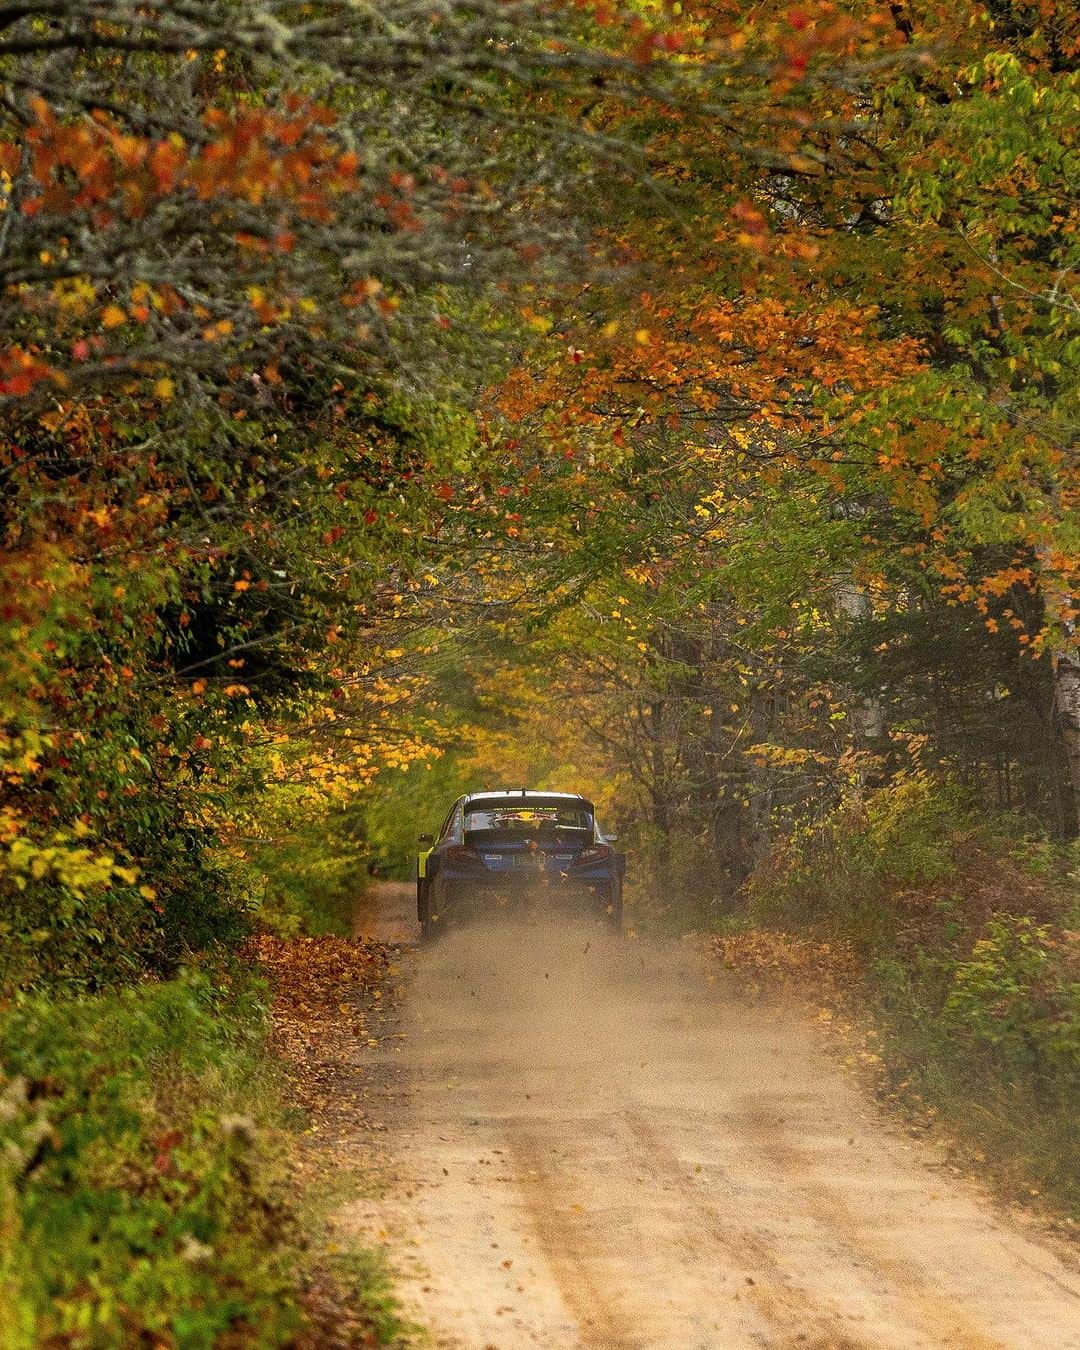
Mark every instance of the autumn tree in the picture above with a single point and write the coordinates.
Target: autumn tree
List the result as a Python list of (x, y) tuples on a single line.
[(251, 261), (857, 339)]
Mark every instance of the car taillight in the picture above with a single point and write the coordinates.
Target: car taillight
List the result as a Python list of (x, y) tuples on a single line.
[(460, 856), (593, 854)]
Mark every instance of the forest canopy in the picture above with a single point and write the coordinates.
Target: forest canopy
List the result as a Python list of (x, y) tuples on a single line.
[(378, 383), (668, 401)]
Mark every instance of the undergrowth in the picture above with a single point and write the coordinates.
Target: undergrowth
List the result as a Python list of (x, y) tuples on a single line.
[(968, 956), (305, 874), (143, 1196)]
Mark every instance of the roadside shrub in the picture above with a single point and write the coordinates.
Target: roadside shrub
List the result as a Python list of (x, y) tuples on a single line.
[(77, 916), (138, 1195), (907, 832), (970, 965), (668, 891), (844, 873), (304, 871), (298, 891), (1016, 1002), (1052, 860)]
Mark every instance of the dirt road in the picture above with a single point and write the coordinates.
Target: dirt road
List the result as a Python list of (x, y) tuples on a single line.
[(590, 1146)]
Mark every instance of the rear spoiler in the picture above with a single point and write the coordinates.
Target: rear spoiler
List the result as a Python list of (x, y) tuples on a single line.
[(491, 803)]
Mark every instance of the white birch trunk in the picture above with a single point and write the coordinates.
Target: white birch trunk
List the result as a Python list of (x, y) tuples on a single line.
[(1067, 714), (855, 604), (1065, 657)]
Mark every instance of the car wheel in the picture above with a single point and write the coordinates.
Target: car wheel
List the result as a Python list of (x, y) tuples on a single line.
[(430, 926), (431, 930), (422, 902)]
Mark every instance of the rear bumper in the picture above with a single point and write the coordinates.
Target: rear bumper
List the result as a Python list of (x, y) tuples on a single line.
[(474, 897)]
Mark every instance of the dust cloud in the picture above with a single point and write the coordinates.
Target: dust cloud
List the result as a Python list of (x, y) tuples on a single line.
[(562, 998)]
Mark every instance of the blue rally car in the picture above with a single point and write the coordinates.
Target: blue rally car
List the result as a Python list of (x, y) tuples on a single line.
[(508, 849)]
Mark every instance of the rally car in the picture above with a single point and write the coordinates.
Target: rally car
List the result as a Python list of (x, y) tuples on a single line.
[(516, 849)]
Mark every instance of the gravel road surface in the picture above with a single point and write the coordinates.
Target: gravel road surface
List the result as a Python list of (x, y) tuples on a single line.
[(589, 1144)]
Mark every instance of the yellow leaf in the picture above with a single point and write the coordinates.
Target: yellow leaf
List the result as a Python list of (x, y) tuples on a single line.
[(540, 323), (164, 389), (112, 316)]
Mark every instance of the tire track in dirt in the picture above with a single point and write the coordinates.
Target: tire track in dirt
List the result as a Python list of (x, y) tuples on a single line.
[(791, 1311), (617, 1242), (942, 1318), (572, 1250)]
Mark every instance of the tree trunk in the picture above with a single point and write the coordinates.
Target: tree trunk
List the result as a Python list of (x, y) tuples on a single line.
[(1065, 665), (1067, 717), (854, 604)]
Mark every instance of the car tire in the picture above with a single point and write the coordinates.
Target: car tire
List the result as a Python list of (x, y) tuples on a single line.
[(422, 901), (430, 927)]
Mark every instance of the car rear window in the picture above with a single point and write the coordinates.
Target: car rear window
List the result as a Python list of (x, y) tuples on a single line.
[(527, 820)]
